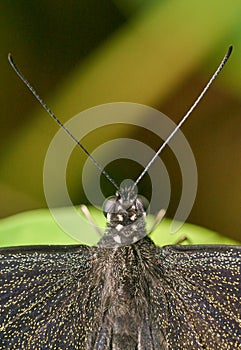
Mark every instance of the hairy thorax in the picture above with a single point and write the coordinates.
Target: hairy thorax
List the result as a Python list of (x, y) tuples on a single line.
[(125, 296)]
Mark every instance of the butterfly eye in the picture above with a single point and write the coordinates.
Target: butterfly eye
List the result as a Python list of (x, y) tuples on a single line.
[(108, 205), (144, 203)]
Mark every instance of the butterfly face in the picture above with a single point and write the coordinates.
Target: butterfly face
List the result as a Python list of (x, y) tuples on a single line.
[(125, 213)]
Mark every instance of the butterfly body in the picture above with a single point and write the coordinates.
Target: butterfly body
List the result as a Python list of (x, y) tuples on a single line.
[(121, 296), (125, 293)]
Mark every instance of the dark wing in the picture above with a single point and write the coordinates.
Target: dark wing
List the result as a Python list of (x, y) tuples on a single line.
[(196, 301), (48, 297)]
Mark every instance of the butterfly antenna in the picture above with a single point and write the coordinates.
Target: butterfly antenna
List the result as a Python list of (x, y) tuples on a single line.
[(36, 95), (220, 67)]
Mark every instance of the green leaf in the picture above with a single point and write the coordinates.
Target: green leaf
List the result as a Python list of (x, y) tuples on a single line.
[(38, 227)]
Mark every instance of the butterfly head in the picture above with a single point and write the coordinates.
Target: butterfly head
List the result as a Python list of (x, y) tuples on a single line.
[(125, 213)]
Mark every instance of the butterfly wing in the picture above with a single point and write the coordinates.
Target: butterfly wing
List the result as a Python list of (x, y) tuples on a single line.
[(48, 297), (197, 302)]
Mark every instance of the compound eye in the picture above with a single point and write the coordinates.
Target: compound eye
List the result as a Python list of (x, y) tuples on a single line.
[(144, 203), (109, 205)]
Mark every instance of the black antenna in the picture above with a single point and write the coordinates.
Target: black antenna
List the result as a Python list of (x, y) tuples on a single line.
[(220, 67), (26, 82), (29, 86)]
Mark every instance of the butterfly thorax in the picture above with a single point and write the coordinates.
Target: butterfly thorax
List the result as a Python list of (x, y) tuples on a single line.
[(124, 264), (125, 298)]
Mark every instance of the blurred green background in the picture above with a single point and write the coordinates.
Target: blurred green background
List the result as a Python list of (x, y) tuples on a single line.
[(79, 54)]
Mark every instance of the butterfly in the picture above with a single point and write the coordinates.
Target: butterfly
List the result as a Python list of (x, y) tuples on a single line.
[(125, 293)]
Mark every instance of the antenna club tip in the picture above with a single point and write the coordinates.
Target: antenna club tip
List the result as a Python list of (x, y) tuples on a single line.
[(230, 49), (10, 58)]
